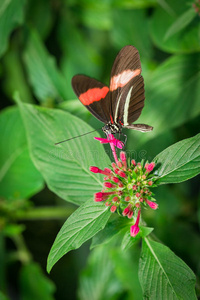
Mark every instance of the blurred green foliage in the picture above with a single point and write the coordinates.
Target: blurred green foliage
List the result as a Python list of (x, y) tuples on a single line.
[(42, 45)]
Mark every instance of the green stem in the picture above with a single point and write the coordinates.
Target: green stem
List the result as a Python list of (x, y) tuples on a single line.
[(44, 213), (23, 254)]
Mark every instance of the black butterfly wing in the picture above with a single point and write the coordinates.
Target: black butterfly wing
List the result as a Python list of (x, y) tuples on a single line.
[(126, 87), (94, 95)]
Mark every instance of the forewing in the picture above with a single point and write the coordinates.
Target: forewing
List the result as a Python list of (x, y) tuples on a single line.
[(94, 95), (126, 86)]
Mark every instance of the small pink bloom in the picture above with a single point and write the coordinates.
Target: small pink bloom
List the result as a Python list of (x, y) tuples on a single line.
[(119, 164), (101, 196), (152, 204), (123, 159), (97, 170), (122, 174), (149, 167), (137, 195), (150, 182), (133, 162), (109, 185), (107, 170), (130, 214), (115, 199), (112, 140), (113, 208), (134, 187), (127, 198), (125, 211), (134, 228), (115, 179), (120, 184), (94, 169)]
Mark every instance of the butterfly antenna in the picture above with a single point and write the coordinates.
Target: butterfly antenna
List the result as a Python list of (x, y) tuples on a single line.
[(75, 137)]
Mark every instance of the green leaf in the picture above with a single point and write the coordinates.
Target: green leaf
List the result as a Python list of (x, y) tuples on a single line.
[(180, 161), (172, 97), (181, 38), (184, 20), (42, 15), (133, 30), (18, 176), (163, 275), (79, 56), (126, 268), (15, 79), (34, 284), (64, 167), (98, 281), (83, 224), (47, 81), (111, 229), (128, 241), (11, 15)]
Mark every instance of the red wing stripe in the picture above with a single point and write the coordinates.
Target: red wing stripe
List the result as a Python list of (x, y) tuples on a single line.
[(93, 95), (123, 78)]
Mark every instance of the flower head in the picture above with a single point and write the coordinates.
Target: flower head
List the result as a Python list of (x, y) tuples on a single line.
[(196, 6), (126, 188)]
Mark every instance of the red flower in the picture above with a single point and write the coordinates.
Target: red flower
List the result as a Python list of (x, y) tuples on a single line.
[(135, 228), (126, 187)]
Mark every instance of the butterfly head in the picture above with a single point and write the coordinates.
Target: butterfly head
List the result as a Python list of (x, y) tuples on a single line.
[(112, 128)]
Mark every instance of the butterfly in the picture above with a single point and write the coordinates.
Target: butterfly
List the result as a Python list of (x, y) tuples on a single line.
[(120, 104)]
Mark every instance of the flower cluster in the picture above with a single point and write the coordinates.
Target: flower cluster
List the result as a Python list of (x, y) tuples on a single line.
[(196, 6), (126, 188)]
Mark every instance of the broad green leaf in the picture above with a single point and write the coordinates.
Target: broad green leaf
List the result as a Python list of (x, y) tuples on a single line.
[(83, 224), (111, 229), (79, 56), (64, 167), (179, 162), (97, 19), (34, 284), (163, 275), (171, 21), (126, 269), (42, 15), (172, 97), (181, 23), (15, 79), (18, 176), (98, 280), (11, 16), (133, 30), (45, 78), (75, 108)]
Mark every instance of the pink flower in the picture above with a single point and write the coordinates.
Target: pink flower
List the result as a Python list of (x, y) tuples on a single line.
[(126, 187), (110, 140), (152, 204), (97, 170), (134, 228), (149, 167), (113, 208)]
